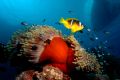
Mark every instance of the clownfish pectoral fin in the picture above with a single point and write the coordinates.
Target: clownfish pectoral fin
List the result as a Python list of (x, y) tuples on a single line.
[(81, 31), (73, 31)]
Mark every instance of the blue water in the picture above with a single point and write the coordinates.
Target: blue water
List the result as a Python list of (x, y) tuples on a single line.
[(98, 15), (103, 15)]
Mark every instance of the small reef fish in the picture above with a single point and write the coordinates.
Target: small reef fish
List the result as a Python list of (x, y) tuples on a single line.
[(24, 23), (44, 20), (69, 11), (89, 30), (92, 39), (73, 24), (96, 38), (106, 32)]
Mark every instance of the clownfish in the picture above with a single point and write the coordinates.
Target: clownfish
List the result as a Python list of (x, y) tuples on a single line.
[(73, 24)]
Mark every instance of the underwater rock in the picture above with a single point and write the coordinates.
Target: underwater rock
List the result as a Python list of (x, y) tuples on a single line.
[(2, 69), (3, 53), (24, 23), (48, 73), (102, 77)]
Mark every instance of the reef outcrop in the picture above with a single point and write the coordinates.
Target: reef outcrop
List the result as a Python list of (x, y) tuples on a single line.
[(56, 55)]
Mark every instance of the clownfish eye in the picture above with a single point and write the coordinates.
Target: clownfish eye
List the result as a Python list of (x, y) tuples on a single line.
[(34, 47)]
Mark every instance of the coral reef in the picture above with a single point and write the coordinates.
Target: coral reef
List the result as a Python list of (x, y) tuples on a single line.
[(48, 73), (30, 45)]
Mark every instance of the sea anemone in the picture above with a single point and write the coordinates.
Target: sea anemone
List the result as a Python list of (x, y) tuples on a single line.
[(86, 61), (31, 43), (83, 59)]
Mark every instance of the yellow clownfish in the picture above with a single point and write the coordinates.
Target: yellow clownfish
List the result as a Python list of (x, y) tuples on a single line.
[(73, 24)]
